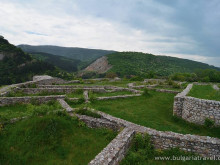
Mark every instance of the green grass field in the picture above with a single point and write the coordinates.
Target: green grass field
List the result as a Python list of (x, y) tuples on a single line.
[(53, 139), (122, 83), (21, 110), (94, 94), (154, 111), (204, 92)]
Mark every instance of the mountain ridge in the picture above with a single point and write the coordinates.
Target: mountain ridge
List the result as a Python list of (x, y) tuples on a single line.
[(136, 63), (83, 54)]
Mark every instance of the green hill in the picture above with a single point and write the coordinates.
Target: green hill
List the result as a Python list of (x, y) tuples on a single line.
[(82, 54), (67, 64), (17, 66), (134, 63)]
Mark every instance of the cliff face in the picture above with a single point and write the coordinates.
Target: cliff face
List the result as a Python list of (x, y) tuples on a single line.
[(101, 65)]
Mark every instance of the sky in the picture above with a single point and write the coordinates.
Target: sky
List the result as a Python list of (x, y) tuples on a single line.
[(187, 29)]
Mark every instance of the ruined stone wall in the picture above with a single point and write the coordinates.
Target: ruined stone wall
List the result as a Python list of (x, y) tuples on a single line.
[(179, 100), (57, 90), (196, 110), (28, 99), (116, 150), (202, 145), (117, 97)]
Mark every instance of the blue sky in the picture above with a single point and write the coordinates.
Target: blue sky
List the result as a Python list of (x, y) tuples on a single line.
[(180, 28)]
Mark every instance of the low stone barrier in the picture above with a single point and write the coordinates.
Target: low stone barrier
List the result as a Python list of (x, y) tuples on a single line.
[(216, 87), (78, 86), (57, 90), (86, 96), (65, 105), (117, 97), (98, 122), (202, 145), (126, 89), (196, 110), (116, 150), (28, 99), (166, 91)]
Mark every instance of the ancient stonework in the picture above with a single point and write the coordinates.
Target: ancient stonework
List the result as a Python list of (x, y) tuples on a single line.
[(196, 110), (117, 97), (28, 99), (189, 108)]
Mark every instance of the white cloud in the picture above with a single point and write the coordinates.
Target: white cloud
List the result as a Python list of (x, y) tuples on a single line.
[(26, 24)]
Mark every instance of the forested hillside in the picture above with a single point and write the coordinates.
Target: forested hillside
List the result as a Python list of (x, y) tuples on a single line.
[(134, 63), (17, 66), (67, 64), (69, 52)]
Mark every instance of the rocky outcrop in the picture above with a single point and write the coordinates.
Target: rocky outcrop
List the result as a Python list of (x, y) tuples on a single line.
[(1, 56), (101, 65)]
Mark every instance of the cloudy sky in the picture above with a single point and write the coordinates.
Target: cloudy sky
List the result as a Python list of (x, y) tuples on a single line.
[(181, 28)]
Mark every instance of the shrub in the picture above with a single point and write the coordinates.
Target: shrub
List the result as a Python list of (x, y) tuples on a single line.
[(78, 91), (146, 92), (81, 100), (176, 85), (209, 123), (170, 82), (137, 78), (35, 101), (32, 86)]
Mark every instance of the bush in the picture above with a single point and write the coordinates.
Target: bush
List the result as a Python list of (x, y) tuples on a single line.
[(137, 78), (146, 93), (176, 85), (78, 91), (209, 123), (35, 101), (141, 150)]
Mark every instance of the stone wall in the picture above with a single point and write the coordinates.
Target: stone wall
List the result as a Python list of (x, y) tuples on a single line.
[(117, 97), (179, 100), (196, 110), (202, 145), (116, 150), (57, 90), (40, 99)]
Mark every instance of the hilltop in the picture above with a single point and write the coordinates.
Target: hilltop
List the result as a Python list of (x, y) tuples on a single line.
[(82, 54), (17, 66), (135, 63), (67, 64)]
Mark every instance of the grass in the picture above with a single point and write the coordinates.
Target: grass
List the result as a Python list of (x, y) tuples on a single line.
[(154, 111), (122, 83), (21, 110), (204, 92), (86, 112), (142, 152), (76, 103), (78, 93), (52, 139), (94, 94)]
